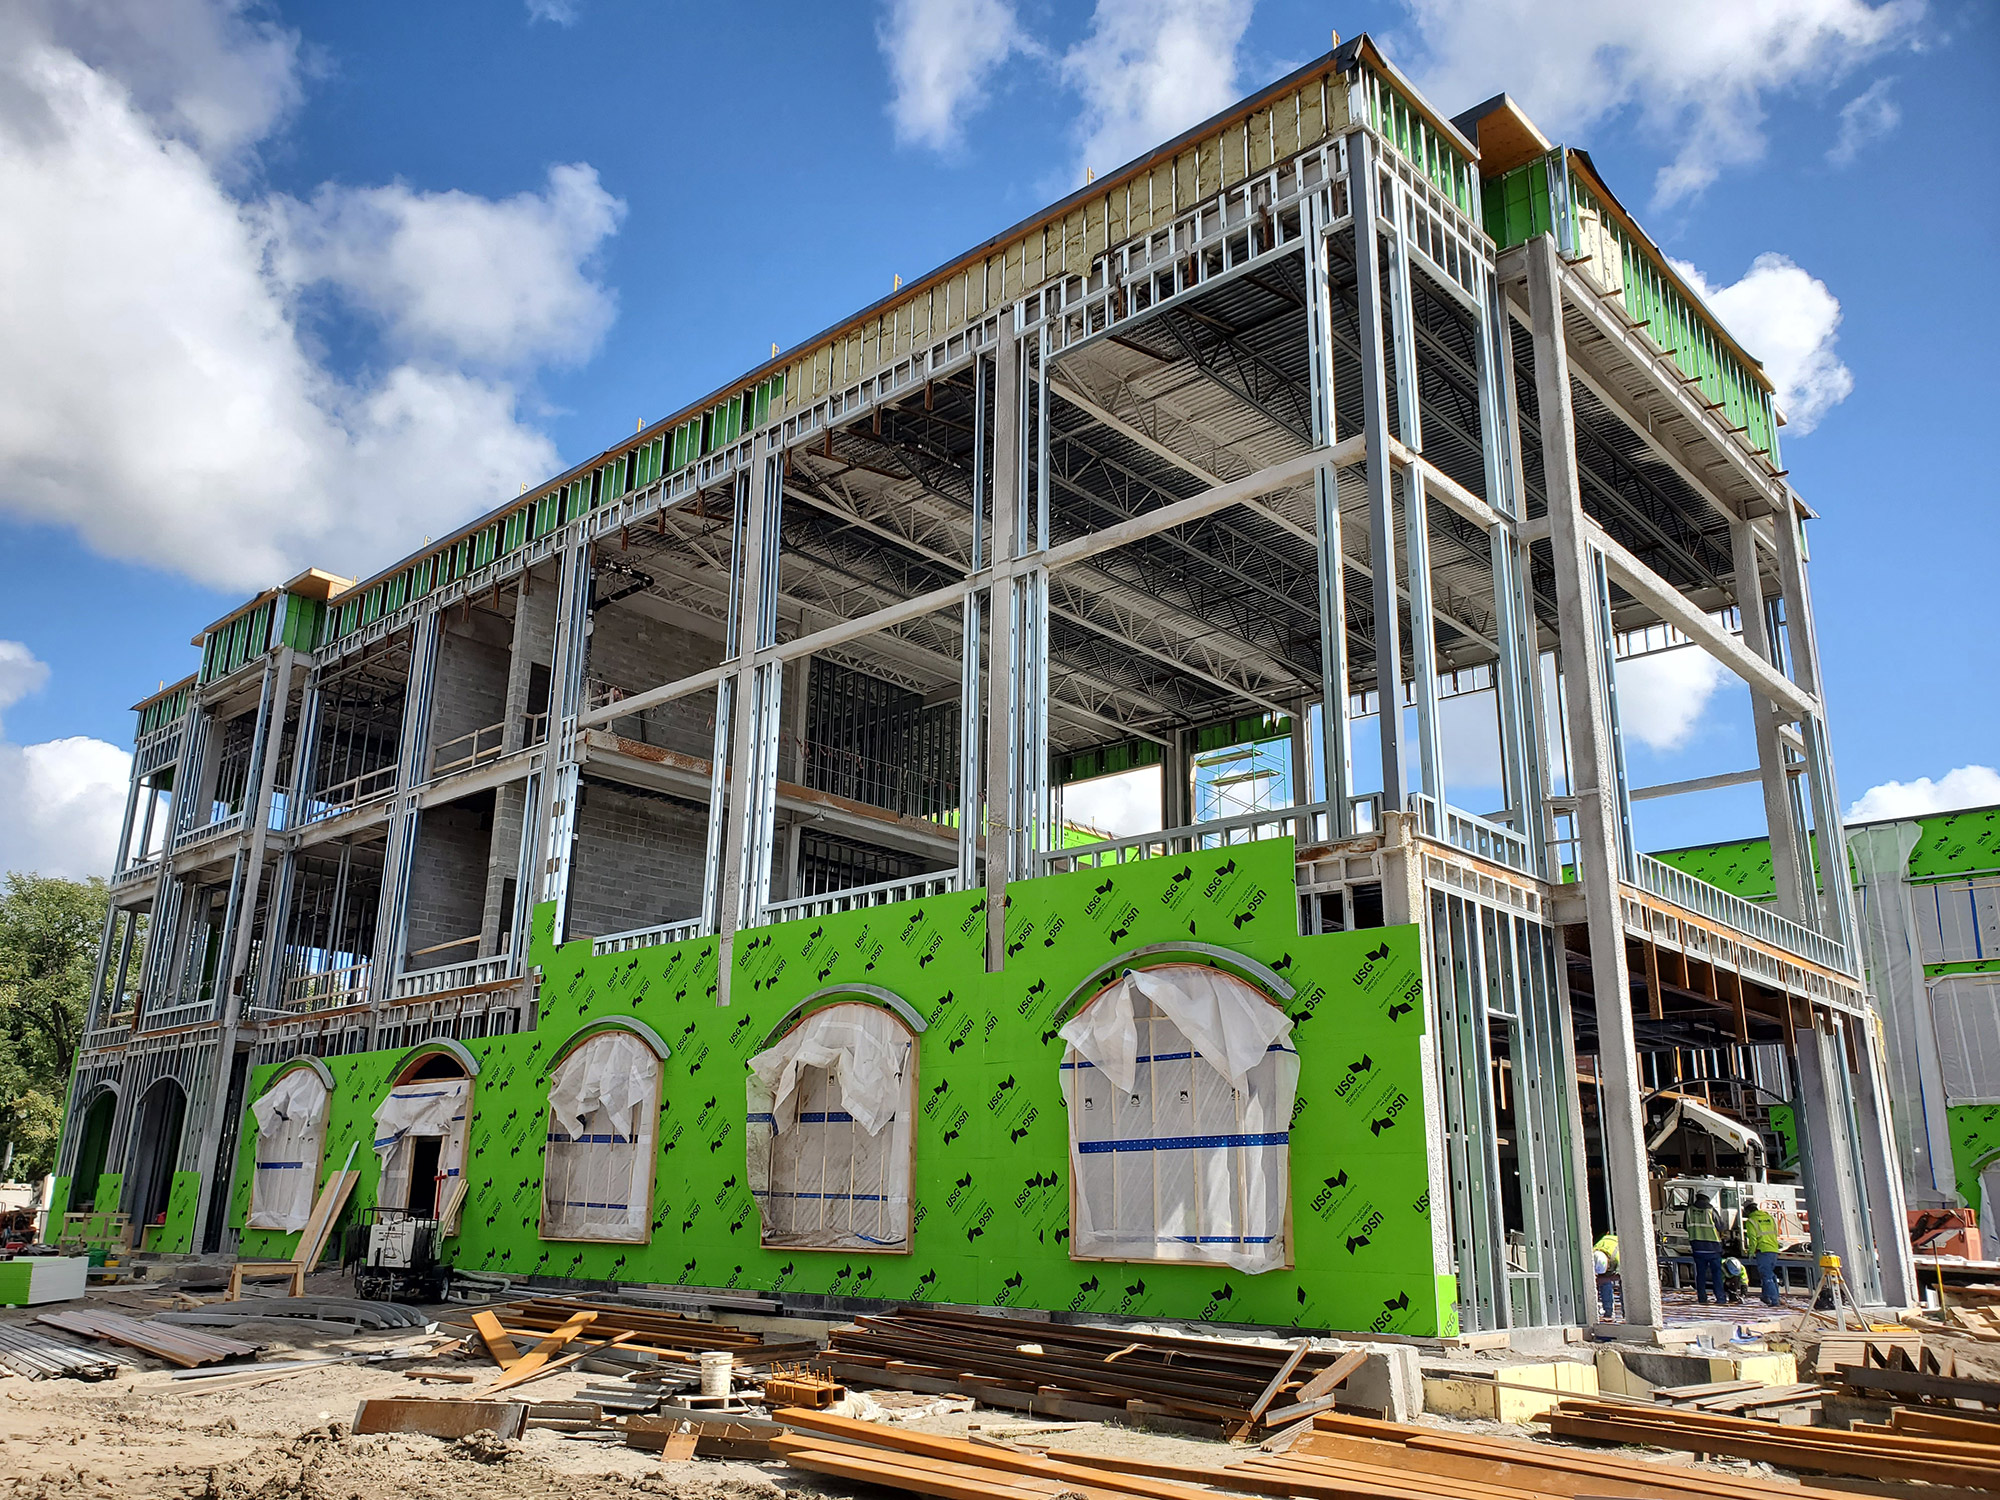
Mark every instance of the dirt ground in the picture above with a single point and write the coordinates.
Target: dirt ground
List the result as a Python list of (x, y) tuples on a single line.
[(146, 1434)]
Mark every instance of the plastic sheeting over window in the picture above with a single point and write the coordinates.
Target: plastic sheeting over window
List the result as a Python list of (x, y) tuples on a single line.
[(830, 1112), (433, 1107), (291, 1127), (1180, 1083), (604, 1102)]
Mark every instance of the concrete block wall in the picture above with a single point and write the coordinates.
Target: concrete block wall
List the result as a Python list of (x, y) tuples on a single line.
[(448, 880), (638, 860), (470, 688), (635, 651)]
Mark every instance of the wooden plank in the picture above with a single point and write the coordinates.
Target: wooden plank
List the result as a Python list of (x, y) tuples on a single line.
[(494, 1336), (1971, 1429), (540, 1355), (1763, 1448), (518, 1376), (440, 1418), (1271, 1390), (1333, 1375), (1909, 1383)]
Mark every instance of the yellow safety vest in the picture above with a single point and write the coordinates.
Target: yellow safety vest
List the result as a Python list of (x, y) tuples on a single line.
[(1760, 1231), (1607, 1246)]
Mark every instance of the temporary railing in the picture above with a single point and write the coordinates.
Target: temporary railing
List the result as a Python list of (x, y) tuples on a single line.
[(219, 828), (327, 989), (646, 937), (1746, 917), (1302, 822), (882, 893), (114, 1034), (191, 1014), (468, 750), (137, 871), (344, 796), (462, 976), (1474, 834)]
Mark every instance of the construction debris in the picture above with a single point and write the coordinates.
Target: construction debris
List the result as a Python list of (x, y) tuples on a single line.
[(441, 1418), (329, 1312), (1091, 1373), (30, 1352), (186, 1347)]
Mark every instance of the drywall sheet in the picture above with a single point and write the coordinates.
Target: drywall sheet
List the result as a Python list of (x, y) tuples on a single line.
[(991, 1172)]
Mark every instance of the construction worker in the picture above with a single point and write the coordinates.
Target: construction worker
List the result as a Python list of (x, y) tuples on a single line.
[(1735, 1280), (1704, 1232), (1604, 1255), (1761, 1243)]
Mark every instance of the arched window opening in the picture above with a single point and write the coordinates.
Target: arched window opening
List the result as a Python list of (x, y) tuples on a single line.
[(156, 1134), (1179, 1082), (831, 1107), (604, 1109), (94, 1149), (291, 1131), (420, 1131)]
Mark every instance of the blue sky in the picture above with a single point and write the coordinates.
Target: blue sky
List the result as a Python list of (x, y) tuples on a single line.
[(299, 284)]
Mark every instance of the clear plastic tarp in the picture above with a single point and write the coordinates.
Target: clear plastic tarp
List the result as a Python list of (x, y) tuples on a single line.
[(434, 1107), (830, 1113), (603, 1119), (291, 1130), (1179, 1082)]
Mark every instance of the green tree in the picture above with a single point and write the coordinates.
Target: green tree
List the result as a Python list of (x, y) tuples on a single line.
[(49, 932)]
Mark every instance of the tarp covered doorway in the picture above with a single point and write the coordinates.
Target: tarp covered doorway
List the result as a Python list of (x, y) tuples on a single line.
[(604, 1104), (291, 1131), (420, 1133), (1180, 1081), (831, 1106)]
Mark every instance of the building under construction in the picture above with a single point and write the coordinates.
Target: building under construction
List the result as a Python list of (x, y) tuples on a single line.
[(668, 875)]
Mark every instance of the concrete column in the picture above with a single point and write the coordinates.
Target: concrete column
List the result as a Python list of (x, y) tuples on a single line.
[(1882, 1176), (1828, 1156), (1381, 482), (1594, 786), (1003, 639), (1774, 777)]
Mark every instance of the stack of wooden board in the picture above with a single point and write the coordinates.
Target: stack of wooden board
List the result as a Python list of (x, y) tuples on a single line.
[(1091, 1373), (1948, 1391), (652, 1329), (1742, 1397), (1883, 1453), (186, 1347), (1371, 1461)]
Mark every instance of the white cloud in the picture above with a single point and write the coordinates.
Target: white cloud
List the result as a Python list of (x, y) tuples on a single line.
[(1662, 696), (1151, 68), (457, 277), (160, 389), (1967, 786), (1868, 116), (941, 54), (561, 12), (1787, 318), (21, 673), (1697, 73), (61, 803), (1116, 806)]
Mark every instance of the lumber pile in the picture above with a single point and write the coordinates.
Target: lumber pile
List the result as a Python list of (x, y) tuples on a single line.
[(652, 1330), (1344, 1459), (1090, 1373), (186, 1347), (1741, 1397), (1898, 1455)]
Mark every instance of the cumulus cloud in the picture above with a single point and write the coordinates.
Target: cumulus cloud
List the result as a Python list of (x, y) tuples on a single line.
[(61, 802), (1116, 806), (1868, 116), (1148, 69), (561, 12), (941, 54), (1967, 786), (162, 390), (1787, 318), (1663, 696), (1698, 73)]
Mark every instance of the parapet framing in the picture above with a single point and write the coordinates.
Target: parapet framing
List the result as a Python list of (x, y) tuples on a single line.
[(1329, 403)]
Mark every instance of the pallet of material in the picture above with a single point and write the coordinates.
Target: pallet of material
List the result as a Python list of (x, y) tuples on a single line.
[(38, 1356), (1878, 1351), (1912, 1385), (1735, 1397), (1901, 1458), (1382, 1468), (1090, 1373), (186, 1347)]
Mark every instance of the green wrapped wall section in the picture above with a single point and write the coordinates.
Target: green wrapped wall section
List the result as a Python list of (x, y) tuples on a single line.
[(1975, 1145), (992, 1181)]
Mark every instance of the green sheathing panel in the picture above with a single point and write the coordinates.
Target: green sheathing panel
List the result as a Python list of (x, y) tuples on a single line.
[(58, 1206), (359, 1082), (1957, 844), (176, 1235), (1743, 868), (110, 1187), (991, 1183), (1975, 1142), (1517, 206)]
